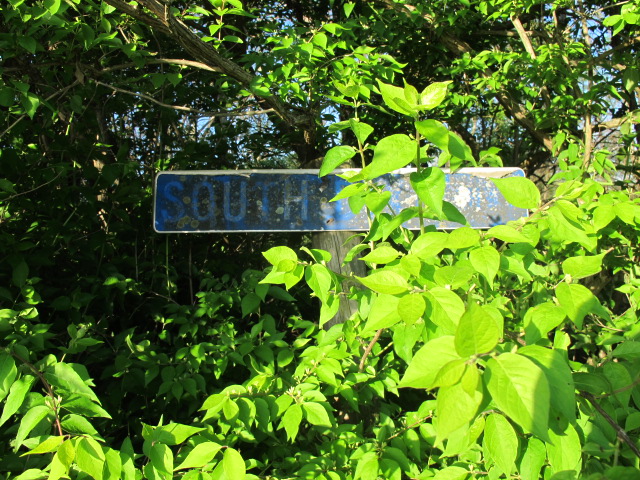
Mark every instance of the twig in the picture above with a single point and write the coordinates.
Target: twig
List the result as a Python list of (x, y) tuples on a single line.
[(619, 390), (47, 387), (367, 351), (50, 97), (183, 108), (34, 189), (622, 435), (409, 427)]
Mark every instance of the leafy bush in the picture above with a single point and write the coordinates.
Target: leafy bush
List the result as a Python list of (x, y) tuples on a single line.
[(474, 354)]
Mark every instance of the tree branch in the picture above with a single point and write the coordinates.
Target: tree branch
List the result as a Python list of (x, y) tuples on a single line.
[(183, 108), (367, 351), (622, 435), (164, 22)]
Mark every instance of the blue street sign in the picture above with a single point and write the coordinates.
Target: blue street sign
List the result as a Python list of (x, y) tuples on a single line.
[(298, 200)]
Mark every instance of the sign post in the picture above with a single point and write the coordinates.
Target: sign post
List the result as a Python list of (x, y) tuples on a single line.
[(298, 200)]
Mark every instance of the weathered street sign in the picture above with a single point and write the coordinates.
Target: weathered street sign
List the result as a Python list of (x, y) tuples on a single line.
[(298, 200)]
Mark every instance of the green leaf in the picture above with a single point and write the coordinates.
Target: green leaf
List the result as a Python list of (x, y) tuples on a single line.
[(578, 301), (8, 373), (627, 350), (126, 457), (428, 361), (30, 103), (411, 308), (391, 153), (52, 6), (383, 313), (329, 309), (458, 404), (377, 201), (200, 456), (90, 457), (83, 406), (454, 276), (433, 95), (463, 237), (451, 373), (174, 433), (335, 157), (348, 8), (540, 320), (20, 274), (319, 279), (506, 233), (435, 132), (276, 255), (28, 43), (565, 451), (429, 244), (63, 376), (233, 464), (520, 389), (368, 467), (32, 474), (291, 420), (565, 230), (477, 333), (161, 458), (451, 473), (500, 442), (316, 414), (62, 460), (382, 254), (620, 380), (430, 185), (583, 266), (75, 424), (394, 98), (360, 130), (513, 264), (7, 97), (113, 465), (250, 303), (559, 376), (28, 422), (533, 460), (452, 214), (519, 191), (49, 445), (444, 308), (486, 261), (385, 281)]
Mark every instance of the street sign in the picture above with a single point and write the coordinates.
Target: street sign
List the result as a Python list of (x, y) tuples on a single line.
[(298, 200)]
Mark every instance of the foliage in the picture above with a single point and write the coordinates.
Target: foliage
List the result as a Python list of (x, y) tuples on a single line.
[(506, 353)]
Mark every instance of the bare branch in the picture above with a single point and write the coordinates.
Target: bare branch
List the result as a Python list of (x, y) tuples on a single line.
[(367, 351), (165, 61), (524, 37), (621, 433), (183, 108)]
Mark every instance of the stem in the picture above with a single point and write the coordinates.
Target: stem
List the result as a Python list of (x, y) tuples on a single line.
[(419, 170), (367, 351), (47, 387), (621, 434)]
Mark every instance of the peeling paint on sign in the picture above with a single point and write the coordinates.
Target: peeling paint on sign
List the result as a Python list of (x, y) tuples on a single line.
[(298, 200)]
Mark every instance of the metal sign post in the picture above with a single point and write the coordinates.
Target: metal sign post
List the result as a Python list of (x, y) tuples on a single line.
[(298, 200)]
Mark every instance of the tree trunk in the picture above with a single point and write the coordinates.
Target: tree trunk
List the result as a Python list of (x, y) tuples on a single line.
[(338, 245)]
